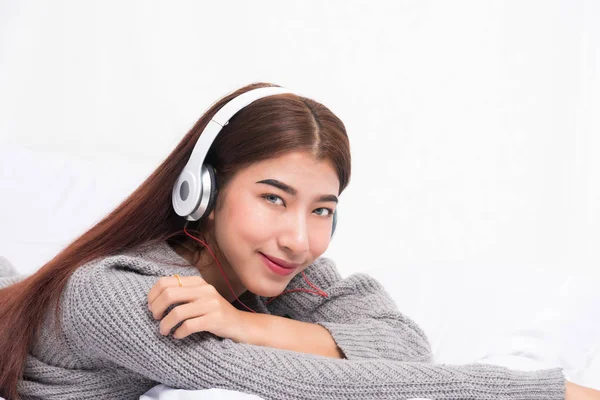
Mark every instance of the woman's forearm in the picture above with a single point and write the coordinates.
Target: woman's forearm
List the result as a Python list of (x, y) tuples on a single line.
[(288, 334)]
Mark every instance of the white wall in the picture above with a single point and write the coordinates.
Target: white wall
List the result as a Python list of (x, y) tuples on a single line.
[(474, 125)]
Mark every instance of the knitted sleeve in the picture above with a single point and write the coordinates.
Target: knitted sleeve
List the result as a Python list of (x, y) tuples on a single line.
[(107, 321), (362, 318)]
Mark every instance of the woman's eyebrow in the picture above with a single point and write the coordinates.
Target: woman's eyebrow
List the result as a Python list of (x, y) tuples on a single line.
[(288, 189)]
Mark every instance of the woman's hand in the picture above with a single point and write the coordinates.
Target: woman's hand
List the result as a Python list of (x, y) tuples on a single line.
[(577, 392), (201, 307)]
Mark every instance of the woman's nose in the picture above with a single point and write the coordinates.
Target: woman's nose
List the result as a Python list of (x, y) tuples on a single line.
[(295, 235)]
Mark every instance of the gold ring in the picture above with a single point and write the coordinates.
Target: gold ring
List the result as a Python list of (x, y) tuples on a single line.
[(179, 279)]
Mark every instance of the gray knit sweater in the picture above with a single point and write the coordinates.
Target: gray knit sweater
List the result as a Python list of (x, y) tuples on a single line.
[(111, 348)]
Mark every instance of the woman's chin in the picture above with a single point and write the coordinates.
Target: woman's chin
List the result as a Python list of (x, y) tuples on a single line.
[(268, 289)]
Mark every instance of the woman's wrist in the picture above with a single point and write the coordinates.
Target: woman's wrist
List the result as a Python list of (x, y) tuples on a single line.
[(250, 331)]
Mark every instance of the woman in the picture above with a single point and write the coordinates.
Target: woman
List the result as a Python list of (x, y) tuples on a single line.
[(133, 303)]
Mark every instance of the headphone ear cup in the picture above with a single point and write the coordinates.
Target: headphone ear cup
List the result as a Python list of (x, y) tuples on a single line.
[(214, 189), (334, 222)]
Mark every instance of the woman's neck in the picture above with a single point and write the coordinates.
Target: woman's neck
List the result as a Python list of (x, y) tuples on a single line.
[(211, 272)]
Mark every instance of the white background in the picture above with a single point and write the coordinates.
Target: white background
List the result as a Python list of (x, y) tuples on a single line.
[(474, 127)]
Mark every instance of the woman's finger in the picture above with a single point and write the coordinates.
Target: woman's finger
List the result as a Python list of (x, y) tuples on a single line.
[(190, 326), (160, 285), (172, 281), (173, 295), (180, 313)]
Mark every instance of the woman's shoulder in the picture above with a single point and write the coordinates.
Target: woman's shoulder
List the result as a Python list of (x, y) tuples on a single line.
[(323, 266), (322, 271), (137, 268), (115, 287)]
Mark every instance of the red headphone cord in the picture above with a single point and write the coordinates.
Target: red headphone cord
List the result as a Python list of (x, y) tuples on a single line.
[(318, 291)]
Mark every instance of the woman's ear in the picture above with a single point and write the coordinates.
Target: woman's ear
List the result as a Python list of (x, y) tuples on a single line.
[(211, 216)]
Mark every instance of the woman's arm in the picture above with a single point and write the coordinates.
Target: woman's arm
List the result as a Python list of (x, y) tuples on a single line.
[(196, 306), (288, 334), (107, 320), (360, 315)]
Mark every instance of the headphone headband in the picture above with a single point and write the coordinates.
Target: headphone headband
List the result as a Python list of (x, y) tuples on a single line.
[(222, 117), (190, 199)]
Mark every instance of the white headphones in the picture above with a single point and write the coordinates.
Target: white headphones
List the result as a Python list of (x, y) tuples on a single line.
[(195, 190)]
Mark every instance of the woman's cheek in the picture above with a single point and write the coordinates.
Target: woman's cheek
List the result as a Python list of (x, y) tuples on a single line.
[(255, 221), (318, 244)]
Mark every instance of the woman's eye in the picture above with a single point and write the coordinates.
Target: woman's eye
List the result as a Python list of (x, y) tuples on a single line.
[(324, 211), (272, 198)]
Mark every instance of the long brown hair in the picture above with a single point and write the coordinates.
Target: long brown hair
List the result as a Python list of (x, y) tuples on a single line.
[(267, 128)]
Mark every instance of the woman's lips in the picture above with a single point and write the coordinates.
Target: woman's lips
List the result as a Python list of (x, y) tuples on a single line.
[(281, 262), (275, 267)]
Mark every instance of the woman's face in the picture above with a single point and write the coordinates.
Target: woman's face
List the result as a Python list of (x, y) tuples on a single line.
[(279, 208)]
